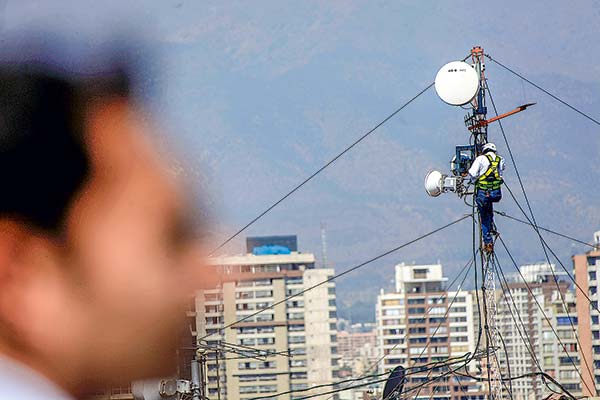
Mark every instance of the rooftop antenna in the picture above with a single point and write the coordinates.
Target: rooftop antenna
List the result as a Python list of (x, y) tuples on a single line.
[(323, 245), (460, 84)]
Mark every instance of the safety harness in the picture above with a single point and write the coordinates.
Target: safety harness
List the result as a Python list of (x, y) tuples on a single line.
[(491, 179)]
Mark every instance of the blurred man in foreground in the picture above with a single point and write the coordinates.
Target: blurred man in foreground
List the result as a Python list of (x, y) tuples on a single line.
[(97, 258)]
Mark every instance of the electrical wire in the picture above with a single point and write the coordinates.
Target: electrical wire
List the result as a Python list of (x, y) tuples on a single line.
[(227, 345), (338, 275), (593, 305), (428, 343), (542, 311), (544, 375), (544, 229), (544, 90), (476, 292), (569, 274), (526, 340), (565, 306), (499, 334), (531, 351), (466, 268), (555, 278), (317, 172), (506, 290), (450, 361)]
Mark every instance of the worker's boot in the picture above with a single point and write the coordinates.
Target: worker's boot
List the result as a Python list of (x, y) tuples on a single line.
[(488, 248)]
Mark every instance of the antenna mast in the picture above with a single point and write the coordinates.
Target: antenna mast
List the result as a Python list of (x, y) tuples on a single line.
[(476, 122)]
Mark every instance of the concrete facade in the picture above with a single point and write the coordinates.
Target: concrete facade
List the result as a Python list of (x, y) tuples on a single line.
[(587, 270), (305, 324), (420, 323), (527, 331)]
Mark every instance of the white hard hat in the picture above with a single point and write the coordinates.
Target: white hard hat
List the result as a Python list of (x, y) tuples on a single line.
[(489, 147)]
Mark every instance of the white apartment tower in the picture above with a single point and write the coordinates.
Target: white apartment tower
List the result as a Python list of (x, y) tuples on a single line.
[(529, 335), (306, 325), (420, 323)]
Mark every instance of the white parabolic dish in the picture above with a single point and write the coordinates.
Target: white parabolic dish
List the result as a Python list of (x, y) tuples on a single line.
[(457, 83), (433, 183)]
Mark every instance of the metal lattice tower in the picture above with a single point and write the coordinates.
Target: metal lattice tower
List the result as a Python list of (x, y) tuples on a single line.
[(493, 366), (479, 131)]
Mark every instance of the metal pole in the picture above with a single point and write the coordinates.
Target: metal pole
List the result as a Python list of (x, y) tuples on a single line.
[(196, 385), (218, 376), (203, 377)]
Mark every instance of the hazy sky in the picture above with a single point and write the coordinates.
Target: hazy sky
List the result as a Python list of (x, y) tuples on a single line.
[(258, 95)]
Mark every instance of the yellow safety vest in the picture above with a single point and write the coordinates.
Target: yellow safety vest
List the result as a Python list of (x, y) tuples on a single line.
[(491, 179)]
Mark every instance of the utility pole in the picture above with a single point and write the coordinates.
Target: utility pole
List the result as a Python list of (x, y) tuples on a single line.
[(198, 386), (477, 124)]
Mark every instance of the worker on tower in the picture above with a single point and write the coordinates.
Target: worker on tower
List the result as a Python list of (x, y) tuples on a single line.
[(486, 173)]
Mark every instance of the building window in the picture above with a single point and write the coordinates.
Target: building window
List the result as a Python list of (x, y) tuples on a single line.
[(294, 280), (297, 363), (248, 389), (263, 293), (296, 339), (436, 320), (437, 300), (247, 365), (566, 320), (295, 304), (592, 275), (420, 273), (295, 316), (244, 295), (265, 340)]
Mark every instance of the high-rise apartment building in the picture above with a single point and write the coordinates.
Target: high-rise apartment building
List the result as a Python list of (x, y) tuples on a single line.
[(587, 272), (305, 324), (358, 351), (530, 334), (420, 323)]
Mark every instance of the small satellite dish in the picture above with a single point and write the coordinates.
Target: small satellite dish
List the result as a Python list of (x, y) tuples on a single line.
[(433, 183), (395, 383), (457, 83)]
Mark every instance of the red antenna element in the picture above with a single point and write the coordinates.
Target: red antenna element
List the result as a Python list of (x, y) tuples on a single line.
[(486, 122)]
